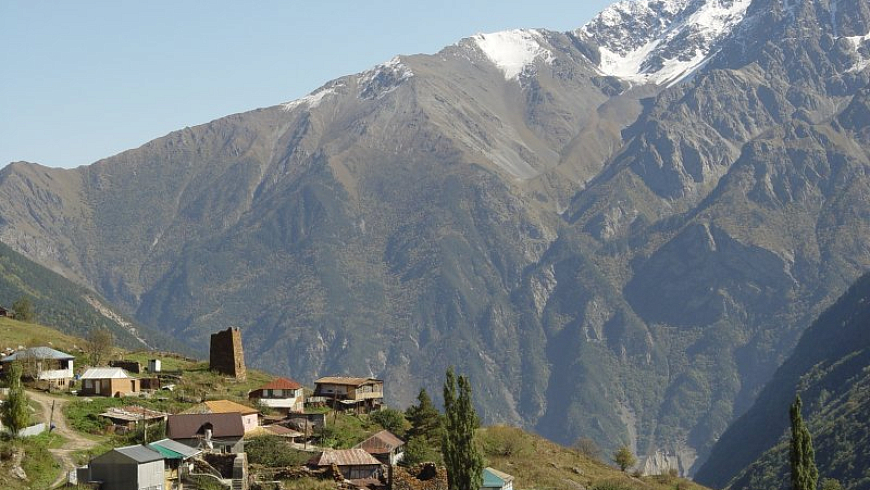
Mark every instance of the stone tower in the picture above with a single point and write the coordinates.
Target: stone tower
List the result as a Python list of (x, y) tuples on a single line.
[(226, 355)]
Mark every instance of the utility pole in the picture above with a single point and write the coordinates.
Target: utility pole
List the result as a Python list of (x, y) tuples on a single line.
[(51, 417)]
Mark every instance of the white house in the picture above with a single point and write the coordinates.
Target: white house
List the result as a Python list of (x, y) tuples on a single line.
[(283, 394)]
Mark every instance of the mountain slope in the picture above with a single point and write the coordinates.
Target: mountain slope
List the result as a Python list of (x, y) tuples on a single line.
[(66, 306), (830, 369), (623, 257)]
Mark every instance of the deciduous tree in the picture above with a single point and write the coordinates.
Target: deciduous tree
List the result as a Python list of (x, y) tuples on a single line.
[(624, 458), (23, 310), (99, 345)]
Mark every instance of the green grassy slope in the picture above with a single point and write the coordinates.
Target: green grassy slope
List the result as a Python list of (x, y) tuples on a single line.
[(66, 306), (830, 368)]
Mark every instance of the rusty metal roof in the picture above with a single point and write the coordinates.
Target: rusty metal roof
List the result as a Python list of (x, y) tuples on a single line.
[(344, 457), (221, 406), (383, 442), (343, 380)]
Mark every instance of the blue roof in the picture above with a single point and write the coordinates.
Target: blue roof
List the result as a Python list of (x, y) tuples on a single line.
[(38, 353), (493, 478)]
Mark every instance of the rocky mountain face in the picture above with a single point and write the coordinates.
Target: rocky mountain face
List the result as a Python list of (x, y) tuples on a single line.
[(617, 232), (830, 369)]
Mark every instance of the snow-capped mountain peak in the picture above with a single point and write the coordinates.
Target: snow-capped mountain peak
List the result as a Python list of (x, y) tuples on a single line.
[(661, 41)]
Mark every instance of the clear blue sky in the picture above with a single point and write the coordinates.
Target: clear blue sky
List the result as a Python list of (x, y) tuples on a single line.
[(80, 81)]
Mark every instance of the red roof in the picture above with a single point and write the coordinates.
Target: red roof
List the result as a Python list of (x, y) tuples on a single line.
[(281, 384)]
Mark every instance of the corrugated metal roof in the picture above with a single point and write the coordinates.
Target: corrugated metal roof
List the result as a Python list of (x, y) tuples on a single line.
[(38, 353), (190, 426), (221, 406), (281, 384), (176, 447), (139, 453), (105, 373), (133, 413), (343, 380), (382, 442), (344, 457), (494, 478)]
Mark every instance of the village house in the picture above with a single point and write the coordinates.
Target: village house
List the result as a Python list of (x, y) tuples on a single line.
[(218, 432), (360, 394), (127, 468), (354, 464), (6, 313), (496, 480), (250, 419), (51, 368), (113, 382), (177, 461), (385, 447), (282, 394)]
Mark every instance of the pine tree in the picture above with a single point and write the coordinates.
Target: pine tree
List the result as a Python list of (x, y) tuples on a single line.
[(14, 411), (461, 456), (424, 418), (804, 474)]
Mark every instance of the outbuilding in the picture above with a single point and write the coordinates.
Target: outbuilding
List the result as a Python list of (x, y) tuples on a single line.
[(128, 468)]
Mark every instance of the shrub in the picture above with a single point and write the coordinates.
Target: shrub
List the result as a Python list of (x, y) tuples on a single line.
[(274, 452)]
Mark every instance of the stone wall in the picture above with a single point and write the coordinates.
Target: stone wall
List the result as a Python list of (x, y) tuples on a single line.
[(425, 476), (226, 355)]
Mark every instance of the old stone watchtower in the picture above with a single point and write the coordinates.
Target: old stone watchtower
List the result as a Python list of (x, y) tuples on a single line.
[(226, 355)]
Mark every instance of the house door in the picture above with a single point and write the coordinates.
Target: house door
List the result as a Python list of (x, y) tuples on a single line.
[(97, 386)]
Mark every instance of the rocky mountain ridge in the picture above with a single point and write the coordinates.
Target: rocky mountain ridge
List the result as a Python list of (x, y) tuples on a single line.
[(606, 257)]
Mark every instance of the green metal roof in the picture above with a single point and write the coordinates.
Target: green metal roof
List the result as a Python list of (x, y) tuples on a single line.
[(167, 453)]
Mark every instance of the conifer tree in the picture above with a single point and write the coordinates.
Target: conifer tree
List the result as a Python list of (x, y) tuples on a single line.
[(424, 418), (461, 456), (804, 474), (14, 411)]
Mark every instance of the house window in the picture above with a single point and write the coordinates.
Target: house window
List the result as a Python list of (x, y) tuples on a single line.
[(279, 393)]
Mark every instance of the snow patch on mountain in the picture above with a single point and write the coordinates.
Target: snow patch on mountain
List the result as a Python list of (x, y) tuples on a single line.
[(383, 79), (313, 99), (861, 45), (661, 41), (512, 51)]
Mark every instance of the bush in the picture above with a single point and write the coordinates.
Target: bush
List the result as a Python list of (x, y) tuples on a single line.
[(505, 442), (274, 452), (612, 485), (391, 420)]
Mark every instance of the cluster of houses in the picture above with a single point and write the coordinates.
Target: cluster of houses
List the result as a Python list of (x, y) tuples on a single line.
[(208, 439)]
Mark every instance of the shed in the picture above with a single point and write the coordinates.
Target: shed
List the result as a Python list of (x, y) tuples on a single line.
[(354, 464), (128, 468), (111, 381), (384, 446)]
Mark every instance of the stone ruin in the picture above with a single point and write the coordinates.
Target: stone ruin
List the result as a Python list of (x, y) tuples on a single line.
[(226, 355)]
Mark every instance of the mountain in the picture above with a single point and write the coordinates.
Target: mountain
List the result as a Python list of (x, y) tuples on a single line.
[(830, 369), (66, 306), (622, 251)]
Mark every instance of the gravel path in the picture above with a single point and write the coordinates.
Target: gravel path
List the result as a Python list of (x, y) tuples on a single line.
[(74, 441)]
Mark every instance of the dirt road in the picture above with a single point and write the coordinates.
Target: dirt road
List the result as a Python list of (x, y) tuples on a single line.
[(74, 440)]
